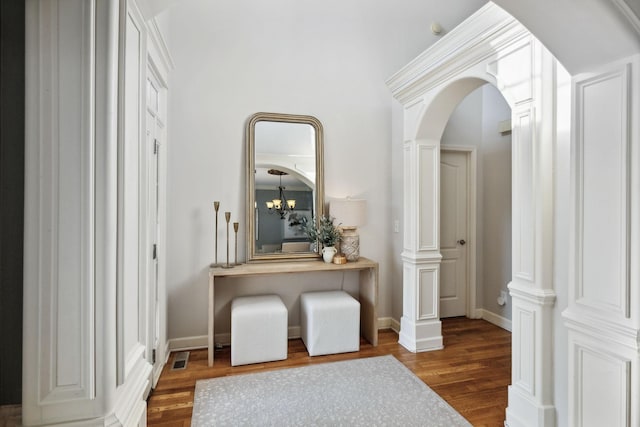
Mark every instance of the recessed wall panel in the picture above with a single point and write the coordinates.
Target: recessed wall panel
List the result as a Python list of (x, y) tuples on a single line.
[(524, 367), (523, 195), (449, 204), (409, 291), (603, 387), (428, 187), (428, 294), (67, 204), (131, 194), (603, 201), (409, 197)]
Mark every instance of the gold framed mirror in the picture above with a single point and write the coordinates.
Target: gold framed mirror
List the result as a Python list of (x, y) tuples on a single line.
[(285, 184)]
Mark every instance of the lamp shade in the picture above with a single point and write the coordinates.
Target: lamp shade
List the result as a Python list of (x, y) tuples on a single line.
[(349, 212)]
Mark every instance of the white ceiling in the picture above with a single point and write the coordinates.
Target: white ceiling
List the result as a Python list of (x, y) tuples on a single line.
[(580, 34)]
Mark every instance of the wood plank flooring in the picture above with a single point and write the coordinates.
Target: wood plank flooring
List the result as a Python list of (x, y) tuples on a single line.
[(471, 373)]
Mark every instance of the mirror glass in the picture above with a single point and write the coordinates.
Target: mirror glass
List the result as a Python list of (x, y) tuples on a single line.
[(285, 185)]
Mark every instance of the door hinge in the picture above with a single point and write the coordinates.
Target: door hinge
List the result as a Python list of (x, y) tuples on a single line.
[(155, 146), (153, 356), (154, 254)]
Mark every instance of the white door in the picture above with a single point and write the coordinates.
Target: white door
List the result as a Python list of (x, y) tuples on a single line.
[(155, 135), (454, 198)]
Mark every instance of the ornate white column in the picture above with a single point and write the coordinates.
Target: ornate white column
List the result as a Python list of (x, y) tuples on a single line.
[(490, 46), (420, 327), (533, 297)]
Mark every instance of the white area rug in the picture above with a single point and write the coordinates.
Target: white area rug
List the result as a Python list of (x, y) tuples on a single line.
[(377, 391)]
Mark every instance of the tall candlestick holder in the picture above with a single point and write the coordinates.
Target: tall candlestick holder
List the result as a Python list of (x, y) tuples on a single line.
[(236, 226), (227, 217), (216, 206)]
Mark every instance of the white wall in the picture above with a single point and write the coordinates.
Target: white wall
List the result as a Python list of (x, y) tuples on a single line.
[(475, 123), (329, 60)]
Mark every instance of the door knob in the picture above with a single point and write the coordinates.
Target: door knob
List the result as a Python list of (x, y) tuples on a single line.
[(462, 242)]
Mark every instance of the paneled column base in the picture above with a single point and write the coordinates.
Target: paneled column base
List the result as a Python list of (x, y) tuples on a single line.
[(525, 412), (422, 335), (420, 326), (530, 393)]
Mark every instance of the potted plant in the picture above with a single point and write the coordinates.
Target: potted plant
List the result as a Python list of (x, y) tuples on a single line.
[(325, 232)]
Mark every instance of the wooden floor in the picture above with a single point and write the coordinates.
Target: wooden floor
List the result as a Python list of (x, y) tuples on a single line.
[(471, 373)]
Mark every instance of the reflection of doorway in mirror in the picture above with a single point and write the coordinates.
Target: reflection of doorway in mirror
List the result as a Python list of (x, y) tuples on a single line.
[(270, 230)]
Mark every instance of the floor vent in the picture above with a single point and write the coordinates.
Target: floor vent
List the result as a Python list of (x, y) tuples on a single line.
[(180, 361)]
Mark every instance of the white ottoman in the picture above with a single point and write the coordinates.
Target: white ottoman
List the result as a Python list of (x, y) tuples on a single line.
[(329, 322), (258, 329)]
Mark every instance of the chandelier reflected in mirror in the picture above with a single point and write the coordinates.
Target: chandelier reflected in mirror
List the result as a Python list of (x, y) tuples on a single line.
[(281, 205)]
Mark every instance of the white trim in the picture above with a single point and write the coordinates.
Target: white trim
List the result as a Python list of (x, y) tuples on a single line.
[(135, 354), (198, 342), (629, 13), (159, 46), (539, 297), (600, 329), (187, 343), (156, 175), (495, 319), (472, 215), (130, 14), (388, 323), (130, 407), (487, 31)]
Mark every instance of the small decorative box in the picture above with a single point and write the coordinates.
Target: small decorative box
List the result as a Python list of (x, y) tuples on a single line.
[(339, 259)]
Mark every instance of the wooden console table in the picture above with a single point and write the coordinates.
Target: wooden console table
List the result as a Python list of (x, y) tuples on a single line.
[(368, 288)]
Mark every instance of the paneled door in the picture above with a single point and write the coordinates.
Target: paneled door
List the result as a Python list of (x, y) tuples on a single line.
[(454, 200), (155, 137)]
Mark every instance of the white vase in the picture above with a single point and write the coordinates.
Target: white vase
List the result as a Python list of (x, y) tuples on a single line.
[(328, 253)]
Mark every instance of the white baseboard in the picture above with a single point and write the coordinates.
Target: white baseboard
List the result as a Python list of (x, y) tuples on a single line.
[(384, 323), (188, 343), (197, 342), (389, 323), (476, 313), (497, 320)]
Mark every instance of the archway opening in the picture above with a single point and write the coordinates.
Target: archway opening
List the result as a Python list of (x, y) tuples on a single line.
[(475, 208)]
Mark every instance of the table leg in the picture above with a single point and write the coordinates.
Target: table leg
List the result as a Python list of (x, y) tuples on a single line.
[(210, 345), (369, 304)]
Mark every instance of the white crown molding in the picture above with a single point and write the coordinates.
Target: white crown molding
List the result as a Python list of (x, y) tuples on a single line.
[(479, 36)]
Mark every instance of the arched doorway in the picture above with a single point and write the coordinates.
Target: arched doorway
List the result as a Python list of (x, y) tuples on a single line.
[(497, 49), (475, 209)]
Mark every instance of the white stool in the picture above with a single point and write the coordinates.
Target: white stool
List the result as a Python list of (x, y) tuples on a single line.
[(329, 322), (258, 329)]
